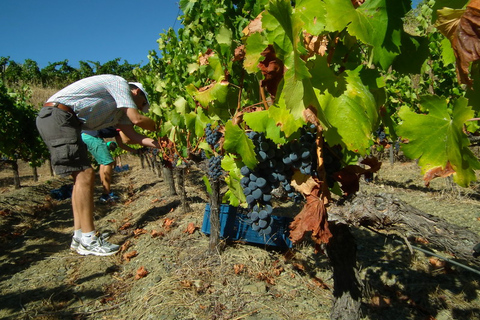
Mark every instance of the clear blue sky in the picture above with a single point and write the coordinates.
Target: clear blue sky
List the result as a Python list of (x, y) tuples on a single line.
[(48, 31)]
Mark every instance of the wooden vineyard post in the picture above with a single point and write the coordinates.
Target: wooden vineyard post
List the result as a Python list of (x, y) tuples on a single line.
[(214, 245), (168, 177), (181, 188)]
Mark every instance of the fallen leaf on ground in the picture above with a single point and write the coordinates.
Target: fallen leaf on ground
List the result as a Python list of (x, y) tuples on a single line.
[(128, 256), (141, 273), (191, 228), (139, 232), (238, 268)]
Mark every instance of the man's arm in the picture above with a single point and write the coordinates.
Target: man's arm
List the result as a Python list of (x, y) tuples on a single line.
[(122, 145), (140, 120), (136, 138)]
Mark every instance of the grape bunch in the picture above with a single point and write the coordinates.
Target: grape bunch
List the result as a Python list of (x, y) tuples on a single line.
[(215, 167), (332, 162), (258, 183), (212, 136), (381, 134), (299, 153)]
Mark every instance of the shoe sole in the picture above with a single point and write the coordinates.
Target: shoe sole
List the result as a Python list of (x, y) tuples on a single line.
[(100, 254)]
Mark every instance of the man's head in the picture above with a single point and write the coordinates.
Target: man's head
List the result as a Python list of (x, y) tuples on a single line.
[(140, 96)]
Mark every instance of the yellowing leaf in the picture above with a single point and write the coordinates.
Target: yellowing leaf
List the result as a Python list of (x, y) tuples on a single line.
[(437, 138)]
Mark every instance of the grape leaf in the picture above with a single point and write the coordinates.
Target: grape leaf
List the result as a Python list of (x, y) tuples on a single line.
[(285, 119), (237, 142), (288, 27), (312, 218), (217, 91), (437, 138), (181, 105), (235, 194), (254, 47), (460, 27), (377, 23), (260, 121), (312, 13), (353, 114)]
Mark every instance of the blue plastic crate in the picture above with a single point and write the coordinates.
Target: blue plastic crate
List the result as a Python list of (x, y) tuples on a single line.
[(234, 225), (278, 237)]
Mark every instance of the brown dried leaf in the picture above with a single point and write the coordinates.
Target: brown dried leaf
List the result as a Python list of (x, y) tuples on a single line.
[(138, 232), (168, 222), (141, 273), (125, 226), (438, 172), (129, 255), (349, 176), (461, 28), (155, 233), (320, 283), (186, 283), (191, 228), (272, 69), (238, 268), (380, 302), (437, 263), (254, 26), (239, 54), (315, 44), (125, 246), (313, 217), (357, 3), (203, 59), (303, 183)]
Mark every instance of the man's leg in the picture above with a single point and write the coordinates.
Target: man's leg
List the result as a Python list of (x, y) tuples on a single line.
[(82, 200), (106, 176)]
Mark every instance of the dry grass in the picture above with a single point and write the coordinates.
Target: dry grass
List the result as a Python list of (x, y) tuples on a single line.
[(40, 95)]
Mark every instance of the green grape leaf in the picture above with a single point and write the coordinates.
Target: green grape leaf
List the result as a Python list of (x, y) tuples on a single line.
[(218, 91), (224, 36), (284, 118), (436, 139), (207, 184), (260, 121), (287, 28), (181, 105), (176, 118), (192, 67), (215, 64), (448, 55), (235, 194), (312, 13), (377, 23), (237, 142), (353, 113), (255, 45)]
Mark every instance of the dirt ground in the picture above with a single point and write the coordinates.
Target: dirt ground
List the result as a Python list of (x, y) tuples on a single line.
[(165, 272)]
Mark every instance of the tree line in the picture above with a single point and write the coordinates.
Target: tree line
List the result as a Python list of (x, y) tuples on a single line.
[(59, 74)]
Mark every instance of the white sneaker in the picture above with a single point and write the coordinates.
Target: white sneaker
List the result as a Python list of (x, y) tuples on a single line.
[(98, 247), (76, 242)]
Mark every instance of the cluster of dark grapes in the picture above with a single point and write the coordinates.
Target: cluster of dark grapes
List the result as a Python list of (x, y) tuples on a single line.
[(257, 184), (381, 134), (332, 162), (299, 154), (215, 167), (212, 135), (214, 163)]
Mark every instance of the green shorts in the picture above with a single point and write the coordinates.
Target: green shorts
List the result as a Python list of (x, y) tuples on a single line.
[(61, 132), (98, 148)]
